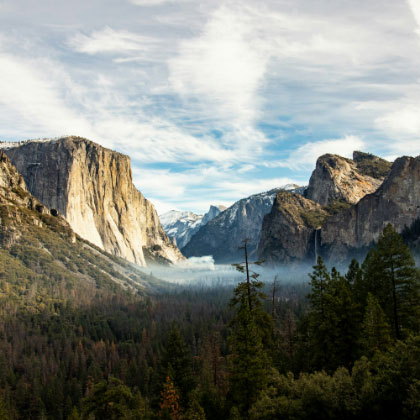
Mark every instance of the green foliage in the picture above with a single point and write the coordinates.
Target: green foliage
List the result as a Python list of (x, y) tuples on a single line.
[(337, 206), (371, 165), (375, 334), (333, 319), (251, 326), (194, 410), (110, 400), (176, 362), (391, 275), (314, 218)]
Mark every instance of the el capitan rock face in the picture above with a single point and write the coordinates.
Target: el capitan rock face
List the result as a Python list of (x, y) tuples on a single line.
[(92, 187), (339, 179), (289, 231), (397, 201)]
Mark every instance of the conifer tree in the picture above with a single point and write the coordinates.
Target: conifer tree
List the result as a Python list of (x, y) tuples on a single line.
[(333, 319), (169, 402), (375, 329), (110, 400), (319, 330), (391, 275), (250, 327), (177, 362)]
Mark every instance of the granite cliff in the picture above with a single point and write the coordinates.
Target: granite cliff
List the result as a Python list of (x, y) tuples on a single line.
[(41, 256), (396, 201), (352, 202), (340, 179), (290, 231), (92, 187)]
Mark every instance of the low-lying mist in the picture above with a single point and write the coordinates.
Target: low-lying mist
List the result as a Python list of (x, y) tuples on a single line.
[(203, 272)]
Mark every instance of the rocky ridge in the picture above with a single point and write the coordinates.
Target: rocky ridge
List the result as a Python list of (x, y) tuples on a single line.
[(92, 187), (339, 179), (397, 201)]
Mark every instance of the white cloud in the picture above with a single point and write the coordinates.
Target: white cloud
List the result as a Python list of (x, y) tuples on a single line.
[(147, 3), (403, 120), (415, 9), (222, 67), (34, 95), (108, 40), (52, 104), (306, 155), (204, 186)]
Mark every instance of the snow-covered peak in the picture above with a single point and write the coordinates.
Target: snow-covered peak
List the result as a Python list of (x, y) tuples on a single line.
[(12, 144), (181, 225), (173, 216)]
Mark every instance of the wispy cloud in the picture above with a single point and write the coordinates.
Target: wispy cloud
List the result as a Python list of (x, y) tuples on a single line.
[(108, 40), (222, 67), (305, 156), (148, 3), (415, 9)]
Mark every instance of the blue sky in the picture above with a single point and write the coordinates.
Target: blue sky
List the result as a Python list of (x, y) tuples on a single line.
[(214, 100)]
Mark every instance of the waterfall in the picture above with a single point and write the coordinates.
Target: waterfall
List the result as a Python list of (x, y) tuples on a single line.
[(316, 245)]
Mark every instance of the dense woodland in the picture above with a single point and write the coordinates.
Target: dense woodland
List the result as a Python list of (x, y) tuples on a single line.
[(340, 346)]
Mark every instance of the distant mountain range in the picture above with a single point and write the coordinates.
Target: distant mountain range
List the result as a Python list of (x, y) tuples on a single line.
[(180, 226), (224, 234)]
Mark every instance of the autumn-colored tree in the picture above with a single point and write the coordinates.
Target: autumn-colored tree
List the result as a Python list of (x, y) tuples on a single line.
[(169, 402)]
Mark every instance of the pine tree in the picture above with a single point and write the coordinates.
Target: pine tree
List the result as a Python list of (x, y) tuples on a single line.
[(177, 362), (110, 400), (4, 413), (250, 328), (319, 329), (344, 321), (391, 275), (194, 410), (333, 319), (375, 329)]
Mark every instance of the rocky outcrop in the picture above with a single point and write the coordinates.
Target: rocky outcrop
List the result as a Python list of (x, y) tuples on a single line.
[(371, 165), (180, 226), (223, 235), (212, 213), (290, 231), (397, 201), (344, 180), (18, 207), (92, 187)]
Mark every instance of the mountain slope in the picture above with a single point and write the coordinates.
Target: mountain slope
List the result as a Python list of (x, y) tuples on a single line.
[(92, 187), (223, 235), (43, 260), (180, 226)]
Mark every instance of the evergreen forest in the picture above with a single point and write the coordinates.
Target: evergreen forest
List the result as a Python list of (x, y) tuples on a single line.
[(341, 345)]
